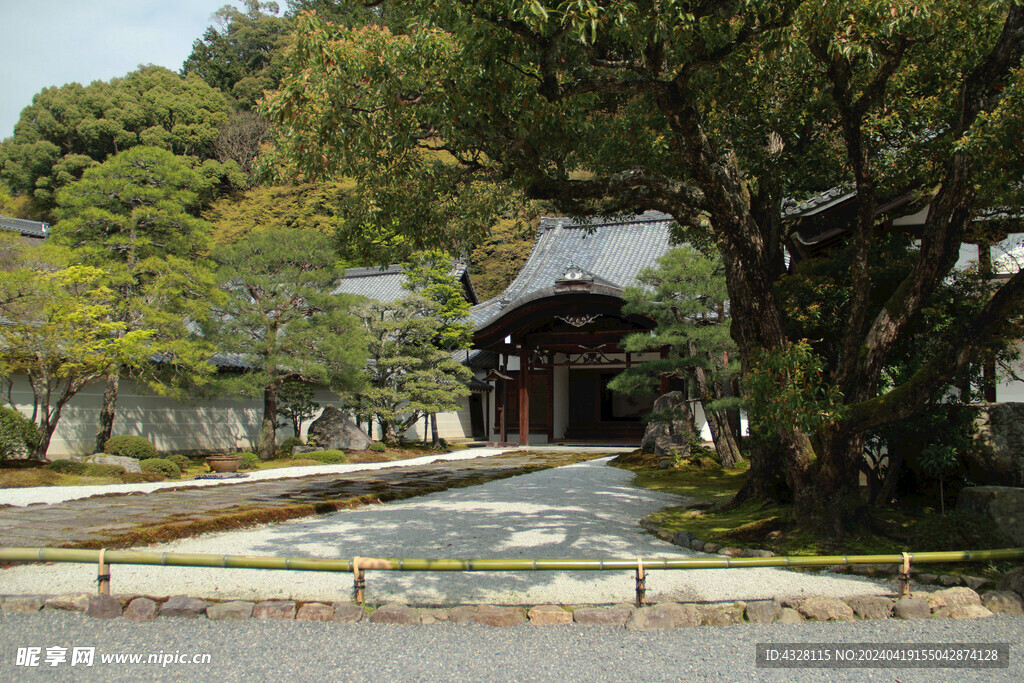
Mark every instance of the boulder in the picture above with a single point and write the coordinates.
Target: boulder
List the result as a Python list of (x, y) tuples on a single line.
[(872, 606), (104, 607), (664, 617), (494, 615), (763, 611), (722, 615), (616, 615), (348, 612), (129, 464), (183, 606), (315, 611), (1004, 505), (274, 609), (1003, 602), (22, 603), (671, 435), (549, 615), (141, 609), (825, 609), (1012, 580), (334, 430), (911, 608), (236, 609), (69, 602), (395, 613)]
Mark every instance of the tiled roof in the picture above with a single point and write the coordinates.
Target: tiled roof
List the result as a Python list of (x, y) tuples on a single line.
[(612, 251), (24, 227), (385, 284)]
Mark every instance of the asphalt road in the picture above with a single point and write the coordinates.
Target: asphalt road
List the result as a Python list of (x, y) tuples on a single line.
[(297, 651)]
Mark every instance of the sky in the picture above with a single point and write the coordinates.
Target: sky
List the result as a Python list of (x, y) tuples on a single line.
[(47, 43)]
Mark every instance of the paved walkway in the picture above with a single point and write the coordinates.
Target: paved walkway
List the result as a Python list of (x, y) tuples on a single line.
[(113, 520)]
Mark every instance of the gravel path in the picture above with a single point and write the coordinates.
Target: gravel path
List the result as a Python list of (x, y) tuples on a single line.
[(274, 650), (588, 510)]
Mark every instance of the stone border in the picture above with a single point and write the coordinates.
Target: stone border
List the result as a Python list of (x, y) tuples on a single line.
[(685, 539), (955, 603)]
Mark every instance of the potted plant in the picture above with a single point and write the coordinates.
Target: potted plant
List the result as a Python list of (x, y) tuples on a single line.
[(224, 463)]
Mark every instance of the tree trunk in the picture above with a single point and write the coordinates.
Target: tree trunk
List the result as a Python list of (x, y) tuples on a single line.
[(434, 438), (268, 430), (108, 411), (725, 444), (832, 497), (766, 478)]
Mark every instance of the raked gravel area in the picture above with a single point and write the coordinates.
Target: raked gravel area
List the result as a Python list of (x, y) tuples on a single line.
[(58, 494), (587, 510)]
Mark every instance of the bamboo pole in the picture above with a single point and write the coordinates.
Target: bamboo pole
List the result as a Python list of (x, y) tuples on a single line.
[(112, 557)]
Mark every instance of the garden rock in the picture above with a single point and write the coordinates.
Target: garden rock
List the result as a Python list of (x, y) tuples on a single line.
[(911, 608), (722, 615), (347, 612), (1013, 580), (616, 615), (997, 453), (791, 616), (394, 613), (954, 602), (492, 615), (22, 603), (183, 606), (671, 438), (763, 611), (549, 615), (663, 617), (274, 609), (104, 607), (315, 611), (236, 609), (129, 464), (69, 602), (334, 430), (141, 609), (825, 609), (463, 614), (871, 606), (1003, 602)]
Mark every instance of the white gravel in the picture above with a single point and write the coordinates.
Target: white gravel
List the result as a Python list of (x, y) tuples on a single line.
[(588, 510), (58, 494)]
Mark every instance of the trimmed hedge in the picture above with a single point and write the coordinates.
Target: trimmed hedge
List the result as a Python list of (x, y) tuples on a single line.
[(181, 461), (161, 466), (137, 447), (287, 445), (378, 447), (328, 457), (99, 469), (67, 467)]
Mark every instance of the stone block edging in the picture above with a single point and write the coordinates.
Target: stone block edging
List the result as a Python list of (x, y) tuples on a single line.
[(954, 603)]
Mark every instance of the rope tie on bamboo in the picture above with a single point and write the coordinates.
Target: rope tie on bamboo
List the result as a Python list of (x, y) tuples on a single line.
[(641, 583), (103, 574), (904, 576), (359, 580)]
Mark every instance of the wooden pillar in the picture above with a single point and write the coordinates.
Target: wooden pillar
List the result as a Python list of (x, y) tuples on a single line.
[(551, 397), (524, 396)]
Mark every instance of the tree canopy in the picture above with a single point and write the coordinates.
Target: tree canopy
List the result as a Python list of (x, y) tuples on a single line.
[(714, 113)]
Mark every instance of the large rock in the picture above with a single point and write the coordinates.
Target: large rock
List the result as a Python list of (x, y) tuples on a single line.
[(997, 456), (825, 609), (1003, 504), (672, 434), (129, 464), (334, 430)]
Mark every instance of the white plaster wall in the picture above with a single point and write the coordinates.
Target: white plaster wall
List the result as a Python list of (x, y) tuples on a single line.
[(173, 426)]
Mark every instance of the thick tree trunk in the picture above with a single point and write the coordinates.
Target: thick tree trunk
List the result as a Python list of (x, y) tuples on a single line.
[(434, 438), (108, 411), (766, 478), (268, 430)]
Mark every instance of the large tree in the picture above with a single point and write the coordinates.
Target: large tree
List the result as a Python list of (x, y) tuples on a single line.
[(281, 321), (713, 113), (71, 128), (134, 216), (60, 331)]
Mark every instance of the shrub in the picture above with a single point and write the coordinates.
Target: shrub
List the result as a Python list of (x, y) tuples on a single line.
[(250, 461), (161, 466), (132, 446), (288, 444), (328, 457), (181, 461), (96, 469), (67, 467), (18, 434), (378, 447)]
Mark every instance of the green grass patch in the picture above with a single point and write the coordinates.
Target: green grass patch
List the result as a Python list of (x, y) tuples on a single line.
[(706, 481)]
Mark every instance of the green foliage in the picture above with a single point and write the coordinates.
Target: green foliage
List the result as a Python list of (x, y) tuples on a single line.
[(62, 331), (328, 457), (67, 467), (250, 461), (280, 315), (296, 404), (161, 466), (305, 206), (411, 372), (243, 57), (96, 469), (288, 444), (69, 129), (138, 447), (787, 388), (378, 446), (18, 434), (183, 462)]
